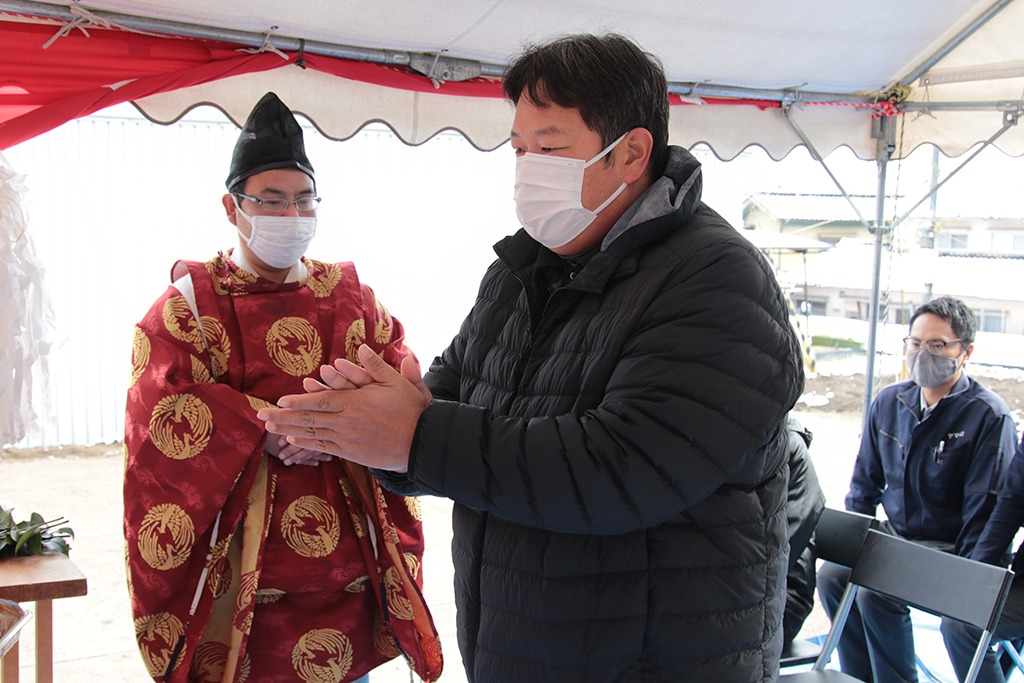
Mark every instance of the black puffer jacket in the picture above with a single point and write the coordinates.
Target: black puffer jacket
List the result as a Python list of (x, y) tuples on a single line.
[(617, 455)]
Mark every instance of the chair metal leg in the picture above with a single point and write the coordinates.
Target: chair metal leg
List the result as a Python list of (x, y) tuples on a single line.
[(979, 657), (834, 633), (1007, 646)]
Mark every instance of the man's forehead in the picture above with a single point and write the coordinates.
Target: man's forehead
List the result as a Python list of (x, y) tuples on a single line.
[(280, 180), (934, 324), (552, 129), (550, 119)]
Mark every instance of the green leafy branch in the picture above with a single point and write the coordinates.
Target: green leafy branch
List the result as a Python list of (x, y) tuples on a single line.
[(34, 536)]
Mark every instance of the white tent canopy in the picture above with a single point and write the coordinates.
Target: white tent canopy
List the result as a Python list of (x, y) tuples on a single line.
[(795, 51)]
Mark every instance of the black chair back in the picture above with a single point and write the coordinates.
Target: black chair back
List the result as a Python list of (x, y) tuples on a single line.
[(840, 535)]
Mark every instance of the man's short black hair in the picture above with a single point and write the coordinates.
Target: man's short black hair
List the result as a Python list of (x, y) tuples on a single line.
[(955, 312), (614, 85)]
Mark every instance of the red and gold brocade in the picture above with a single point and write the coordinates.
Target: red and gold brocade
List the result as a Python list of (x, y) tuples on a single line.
[(304, 556)]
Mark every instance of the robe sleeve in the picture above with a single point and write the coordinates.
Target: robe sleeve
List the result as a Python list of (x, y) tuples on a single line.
[(192, 449)]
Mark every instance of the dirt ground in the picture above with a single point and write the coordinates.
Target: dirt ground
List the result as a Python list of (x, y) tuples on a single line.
[(848, 390), (94, 637)]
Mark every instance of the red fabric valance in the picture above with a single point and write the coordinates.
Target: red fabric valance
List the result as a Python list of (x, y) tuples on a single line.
[(78, 74), (41, 89)]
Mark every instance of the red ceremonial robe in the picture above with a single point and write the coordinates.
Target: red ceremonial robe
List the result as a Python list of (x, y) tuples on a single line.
[(239, 568)]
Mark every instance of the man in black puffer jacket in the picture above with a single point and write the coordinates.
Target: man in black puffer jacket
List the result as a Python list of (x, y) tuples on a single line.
[(610, 419)]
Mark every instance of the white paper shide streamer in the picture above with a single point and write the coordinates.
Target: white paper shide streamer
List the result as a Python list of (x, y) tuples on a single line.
[(26, 318)]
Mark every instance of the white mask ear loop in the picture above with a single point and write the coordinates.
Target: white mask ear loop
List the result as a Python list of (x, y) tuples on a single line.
[(593, 161), (605, 151), (248, 219)]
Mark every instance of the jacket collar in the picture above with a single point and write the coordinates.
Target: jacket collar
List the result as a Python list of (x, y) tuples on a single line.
[(669, 201), (911, 395)]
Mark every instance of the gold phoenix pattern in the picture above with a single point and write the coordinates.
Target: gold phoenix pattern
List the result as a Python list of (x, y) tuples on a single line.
[(355, 336), (354, 508), (323, 278), (220, 582), (220, 549), (244, 601), (200, 372), (166, 536), (238, 277), (311, 527), (322, 655), (258, 404), (398, 604), (181, 413), (211, 267), (383, 640), (413, 504), (176, 312), (140, 355), (208, 664), (388, 531), (412, 563), (297, 333), (382, 333), (220, 345), (157, 635)]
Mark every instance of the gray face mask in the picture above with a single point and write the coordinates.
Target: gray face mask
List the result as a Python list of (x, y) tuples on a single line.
[(930, 370)]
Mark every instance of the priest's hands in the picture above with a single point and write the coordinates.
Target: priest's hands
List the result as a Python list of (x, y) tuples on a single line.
[(366, 415), (290, 454)]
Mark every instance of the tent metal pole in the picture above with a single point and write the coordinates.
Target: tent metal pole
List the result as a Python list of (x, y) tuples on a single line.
[(955, 41), (805, 96), (1009, 121), (787, 111), (177, 28), (885, 150), (928, 107)]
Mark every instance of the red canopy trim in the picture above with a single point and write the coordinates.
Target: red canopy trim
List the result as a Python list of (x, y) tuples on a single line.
[(79, 74)]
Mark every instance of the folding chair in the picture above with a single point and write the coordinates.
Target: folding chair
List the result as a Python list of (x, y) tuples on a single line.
[(1011, 651), (838, 535), (939, 583)]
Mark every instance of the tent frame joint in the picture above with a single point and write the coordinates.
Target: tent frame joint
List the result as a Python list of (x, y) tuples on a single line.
[(787, 111)]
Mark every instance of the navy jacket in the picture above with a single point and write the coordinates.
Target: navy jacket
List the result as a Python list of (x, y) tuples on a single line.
[(937, 480), (1006, 518)]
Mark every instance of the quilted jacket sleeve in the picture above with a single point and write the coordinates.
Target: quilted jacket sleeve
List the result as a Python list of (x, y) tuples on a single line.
[(695, 398)]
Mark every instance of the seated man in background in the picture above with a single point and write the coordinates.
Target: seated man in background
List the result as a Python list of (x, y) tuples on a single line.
[(993, 547), (934, 454), (241, 568)]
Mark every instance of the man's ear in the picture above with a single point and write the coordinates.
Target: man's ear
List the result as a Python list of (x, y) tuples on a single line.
[(637, 145), (967, 353), (229, 205)]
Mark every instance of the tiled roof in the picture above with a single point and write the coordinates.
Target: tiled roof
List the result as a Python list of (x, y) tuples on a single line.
[(849, 266), (791, 206)]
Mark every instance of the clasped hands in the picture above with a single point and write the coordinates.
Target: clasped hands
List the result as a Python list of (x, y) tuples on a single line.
[(366, 415)]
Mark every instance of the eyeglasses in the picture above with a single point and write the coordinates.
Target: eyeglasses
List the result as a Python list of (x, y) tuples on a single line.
[(936, 346), (278, 205)]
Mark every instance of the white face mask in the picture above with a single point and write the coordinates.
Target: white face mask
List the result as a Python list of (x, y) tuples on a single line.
[(278, 241), (549, 196)]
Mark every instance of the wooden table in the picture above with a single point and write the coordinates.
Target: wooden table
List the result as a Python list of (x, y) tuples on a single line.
[(40, 579)]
